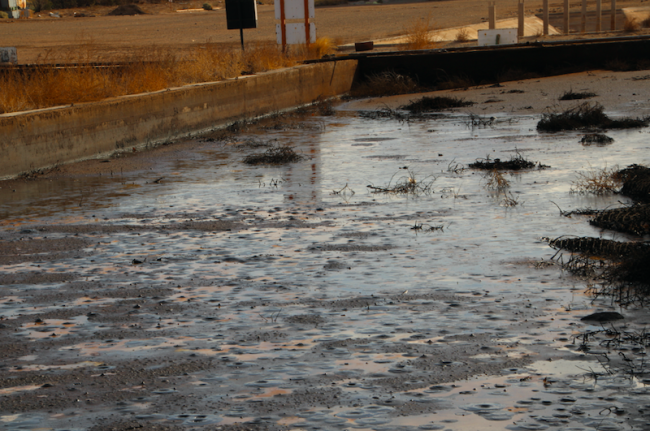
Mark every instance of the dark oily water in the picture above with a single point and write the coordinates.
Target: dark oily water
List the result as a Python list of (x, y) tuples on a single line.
[(295, 296)]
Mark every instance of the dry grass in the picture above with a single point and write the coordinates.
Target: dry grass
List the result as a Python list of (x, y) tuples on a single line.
[(148, 70), (418, 35), (631, 25), (597, 181), (462, 35)]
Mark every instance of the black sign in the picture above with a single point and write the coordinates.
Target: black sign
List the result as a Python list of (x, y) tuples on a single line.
[(241, 14)]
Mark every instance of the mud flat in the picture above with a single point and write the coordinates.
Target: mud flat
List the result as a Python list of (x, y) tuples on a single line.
[(184, 289)]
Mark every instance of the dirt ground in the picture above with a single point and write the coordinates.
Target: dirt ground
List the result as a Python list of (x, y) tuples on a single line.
[(44, 38)]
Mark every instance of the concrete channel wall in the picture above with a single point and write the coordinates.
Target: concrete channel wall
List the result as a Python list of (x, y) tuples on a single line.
[(47, 137), (479, 65)]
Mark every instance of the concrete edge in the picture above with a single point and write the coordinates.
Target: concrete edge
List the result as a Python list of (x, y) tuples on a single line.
[(45, 138)]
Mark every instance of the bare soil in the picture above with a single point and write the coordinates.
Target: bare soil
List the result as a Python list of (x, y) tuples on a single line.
[(181, 26)]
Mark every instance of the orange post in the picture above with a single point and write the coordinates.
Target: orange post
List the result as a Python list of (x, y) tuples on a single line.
[(307, 32), (283, 26)]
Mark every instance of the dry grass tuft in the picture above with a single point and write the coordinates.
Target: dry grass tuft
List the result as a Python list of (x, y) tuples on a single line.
[(631, 25), (144, 71), (418, 35), (597, 182), (462, 35), (322, 46)]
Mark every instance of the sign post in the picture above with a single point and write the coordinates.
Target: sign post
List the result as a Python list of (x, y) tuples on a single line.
[(241, 14)]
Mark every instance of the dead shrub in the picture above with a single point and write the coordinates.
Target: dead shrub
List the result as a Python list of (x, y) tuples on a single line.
[(280, 155), (462, 35), (596, 181)]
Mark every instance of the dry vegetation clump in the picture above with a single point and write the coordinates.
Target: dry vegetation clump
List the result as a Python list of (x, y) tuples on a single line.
[(596, 139), (462, 35), (516, 163), (572, 95), (279, 155), (438, 103), (597, 182), (584, 116), (619, 270), (149, 70), (418, 35), (406, 185), (386, 84), (636, 182), (631, 25), (634, 219), (597, 246)]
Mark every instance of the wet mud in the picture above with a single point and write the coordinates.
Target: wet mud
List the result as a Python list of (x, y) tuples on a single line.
[(233, 297)]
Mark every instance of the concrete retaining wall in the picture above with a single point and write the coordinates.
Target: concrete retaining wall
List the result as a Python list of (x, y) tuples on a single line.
[(47, 137)]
